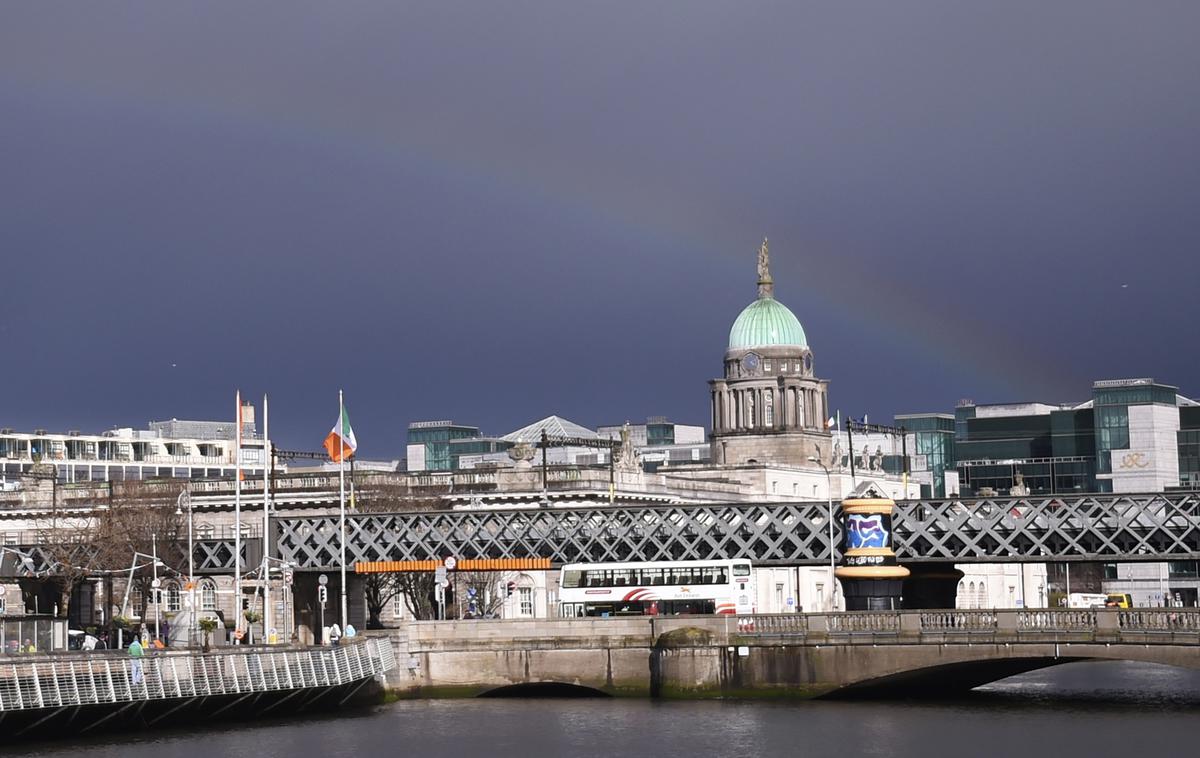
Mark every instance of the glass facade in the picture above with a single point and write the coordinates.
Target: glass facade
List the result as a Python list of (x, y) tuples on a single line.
[(934, 439), (1051, 452), (1189, 458), (436, 438)]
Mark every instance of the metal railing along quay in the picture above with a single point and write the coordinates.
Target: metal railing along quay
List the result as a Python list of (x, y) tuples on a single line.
[(72, 679)]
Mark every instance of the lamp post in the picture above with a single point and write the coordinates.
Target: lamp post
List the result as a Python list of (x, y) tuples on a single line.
[(829, 495), (185, 496)]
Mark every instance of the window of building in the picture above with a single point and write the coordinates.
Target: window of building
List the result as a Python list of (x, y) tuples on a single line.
[(769, 408), (961, 599), (1110, 571), (208, 595), (525, 600), (204, 532), (779, 595), (174, 600), (820, 597), (766, 364), (398, 606)]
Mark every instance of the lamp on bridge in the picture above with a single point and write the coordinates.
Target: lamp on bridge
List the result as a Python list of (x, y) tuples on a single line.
[(871, 578)]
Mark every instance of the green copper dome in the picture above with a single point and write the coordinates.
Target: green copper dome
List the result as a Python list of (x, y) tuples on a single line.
[(764, 323)]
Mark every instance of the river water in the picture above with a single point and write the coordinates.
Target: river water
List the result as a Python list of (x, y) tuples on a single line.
[(1092, 709)]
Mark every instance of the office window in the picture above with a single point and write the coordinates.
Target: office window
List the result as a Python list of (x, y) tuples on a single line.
[(398, 606), (174, 601), (525, 600)]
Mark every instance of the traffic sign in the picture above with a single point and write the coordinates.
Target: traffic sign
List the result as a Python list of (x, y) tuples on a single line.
[(470, 592), (450, 562), (440, 574), (322, 580)]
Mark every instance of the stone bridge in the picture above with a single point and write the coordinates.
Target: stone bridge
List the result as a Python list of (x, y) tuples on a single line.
[(910, 653)]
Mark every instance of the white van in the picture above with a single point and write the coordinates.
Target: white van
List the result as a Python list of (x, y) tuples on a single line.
[(1086, 600)]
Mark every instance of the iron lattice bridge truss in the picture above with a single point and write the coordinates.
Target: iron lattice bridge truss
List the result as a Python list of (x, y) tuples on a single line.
[(209, 557), (1089, 527)]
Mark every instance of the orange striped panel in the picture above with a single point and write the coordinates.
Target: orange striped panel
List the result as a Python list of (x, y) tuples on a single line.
[(468, 564)]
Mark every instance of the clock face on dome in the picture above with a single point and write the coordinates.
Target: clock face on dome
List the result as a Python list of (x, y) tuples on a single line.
[(750, 363)]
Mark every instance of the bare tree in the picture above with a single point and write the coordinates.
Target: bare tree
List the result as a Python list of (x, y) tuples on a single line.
[(102, 538), (381, 589)]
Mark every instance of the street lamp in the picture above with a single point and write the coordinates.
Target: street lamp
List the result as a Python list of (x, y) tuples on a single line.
[(134, 566), (185, 496), (829, 494)]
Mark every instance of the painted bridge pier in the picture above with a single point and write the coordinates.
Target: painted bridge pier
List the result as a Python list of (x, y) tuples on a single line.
[(878, 653)]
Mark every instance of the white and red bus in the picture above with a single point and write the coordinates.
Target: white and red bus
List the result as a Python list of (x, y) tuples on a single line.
[(656, 588)]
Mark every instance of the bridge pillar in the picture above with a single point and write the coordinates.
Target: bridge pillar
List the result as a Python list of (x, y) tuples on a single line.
[(931, 585), (871, 578)]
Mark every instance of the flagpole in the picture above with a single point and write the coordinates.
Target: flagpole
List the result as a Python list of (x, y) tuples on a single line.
[(266, 540), (237, 520), (342, 498)]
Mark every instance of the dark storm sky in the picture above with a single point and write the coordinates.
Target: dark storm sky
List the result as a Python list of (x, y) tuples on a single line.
[(496, 211)]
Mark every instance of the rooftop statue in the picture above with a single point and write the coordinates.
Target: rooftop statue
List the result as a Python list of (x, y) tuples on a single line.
[(766, 286)]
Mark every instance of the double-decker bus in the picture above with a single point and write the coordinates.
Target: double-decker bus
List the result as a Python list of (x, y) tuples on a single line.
[(656, 588)]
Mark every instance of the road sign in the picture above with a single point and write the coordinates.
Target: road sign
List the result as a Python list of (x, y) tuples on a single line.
[(440, 574), (156, 583), (322, 580), (791, 601), (442, 583), (450, 562), (289, 576), (322, 594)]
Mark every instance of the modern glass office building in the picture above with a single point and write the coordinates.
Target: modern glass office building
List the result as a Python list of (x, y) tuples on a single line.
[(931, 449), (1133, 435), (429, 444)]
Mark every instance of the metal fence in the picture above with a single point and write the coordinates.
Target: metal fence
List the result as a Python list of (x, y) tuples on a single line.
[(93, 678)]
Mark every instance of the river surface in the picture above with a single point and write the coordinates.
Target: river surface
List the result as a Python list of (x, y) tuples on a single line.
[(1092, 709)]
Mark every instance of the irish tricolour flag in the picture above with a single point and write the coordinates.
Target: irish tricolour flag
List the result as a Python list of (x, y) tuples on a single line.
[(340, 442)]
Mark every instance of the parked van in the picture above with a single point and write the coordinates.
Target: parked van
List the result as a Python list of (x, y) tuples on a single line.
[(1086, 600), (1119, 600)]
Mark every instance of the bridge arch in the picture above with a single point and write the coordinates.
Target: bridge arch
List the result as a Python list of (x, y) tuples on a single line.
[(544, 689), (940, 678)]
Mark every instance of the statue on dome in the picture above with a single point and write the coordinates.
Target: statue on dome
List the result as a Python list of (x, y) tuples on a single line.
[(766, 286)]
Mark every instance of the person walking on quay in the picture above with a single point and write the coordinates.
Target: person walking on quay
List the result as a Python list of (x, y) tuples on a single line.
[(135, 669)]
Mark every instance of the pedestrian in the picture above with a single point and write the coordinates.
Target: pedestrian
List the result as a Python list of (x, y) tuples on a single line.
[(89, 642), (136, 653), (335, 634), (28, 646), (350, 630)]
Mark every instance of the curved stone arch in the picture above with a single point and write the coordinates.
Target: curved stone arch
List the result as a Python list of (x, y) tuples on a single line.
[(974, 666), (546, 688)]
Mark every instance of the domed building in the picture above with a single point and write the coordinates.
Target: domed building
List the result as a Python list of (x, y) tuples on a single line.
[(769, 408)]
